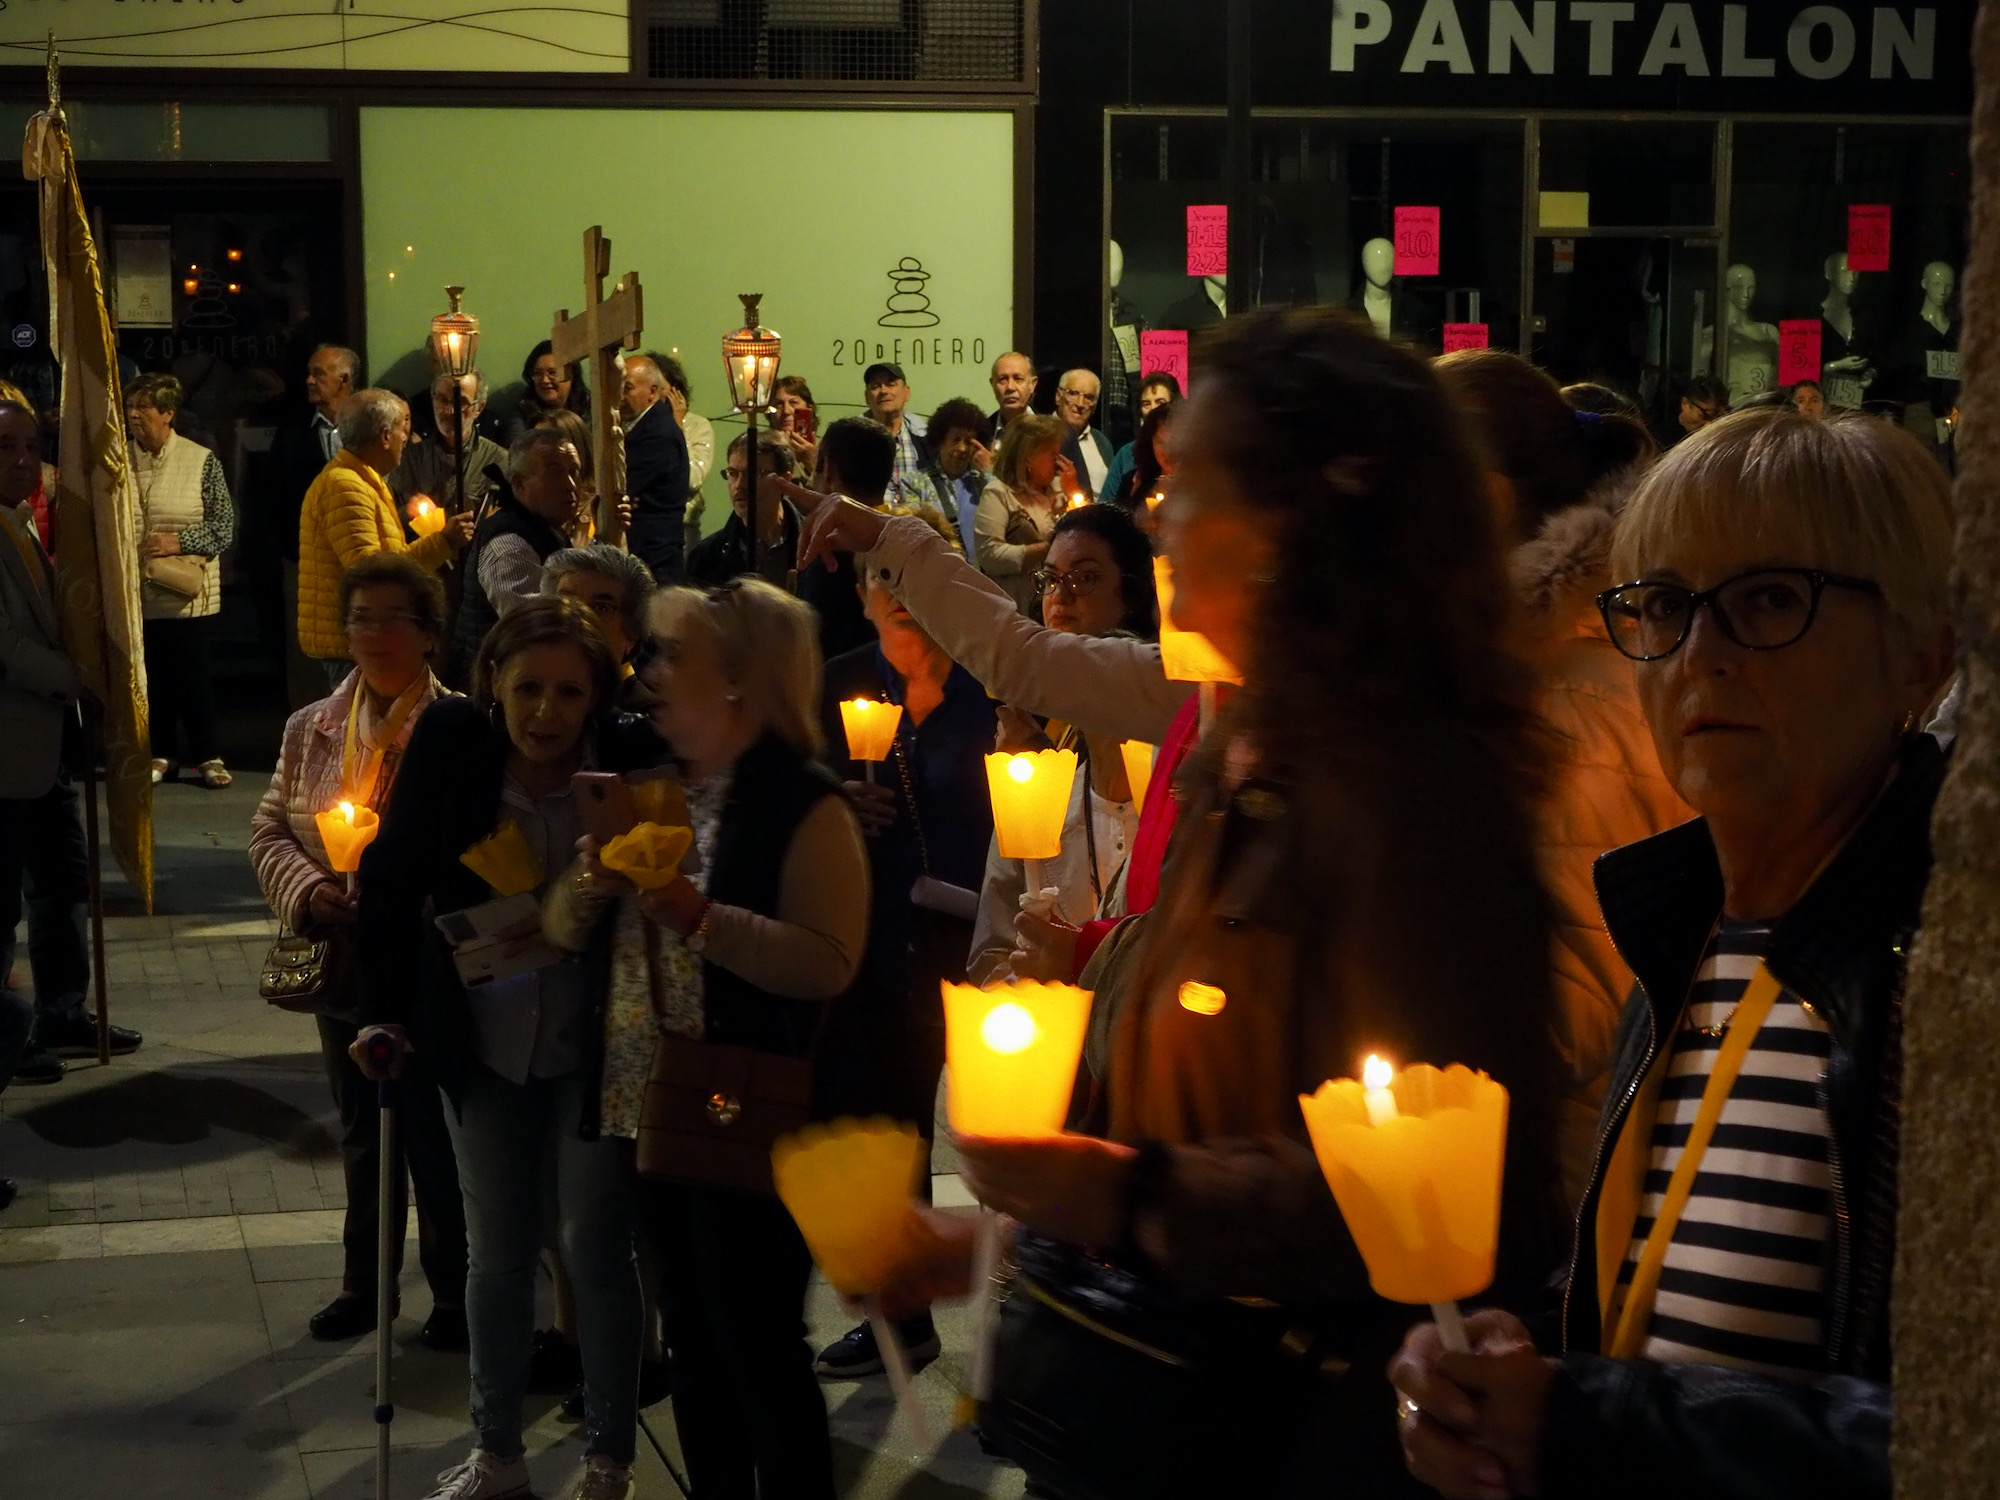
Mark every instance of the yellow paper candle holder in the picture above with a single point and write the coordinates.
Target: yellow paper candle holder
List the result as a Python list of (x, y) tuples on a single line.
[(427, 517), (648, 855), (1011, 1055), (504, 861), (1030, 801), (1138, 758), (848, 1186), (1415, 1164), (871, 727), (346, 829), (1186, 655)]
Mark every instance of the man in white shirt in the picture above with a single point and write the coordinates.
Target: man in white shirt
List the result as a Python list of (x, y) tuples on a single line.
[(1088, 450), (1013, 382)]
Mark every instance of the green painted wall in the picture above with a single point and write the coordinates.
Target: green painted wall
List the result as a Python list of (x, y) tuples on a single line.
[(812, 208)]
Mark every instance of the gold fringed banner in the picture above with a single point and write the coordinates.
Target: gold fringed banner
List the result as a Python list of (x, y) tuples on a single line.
[(94, 514)]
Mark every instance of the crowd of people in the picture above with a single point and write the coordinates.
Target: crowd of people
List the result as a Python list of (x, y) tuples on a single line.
[(1601, 769)]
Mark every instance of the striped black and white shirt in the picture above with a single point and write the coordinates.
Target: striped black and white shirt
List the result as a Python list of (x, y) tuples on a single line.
[(1744, 1280)]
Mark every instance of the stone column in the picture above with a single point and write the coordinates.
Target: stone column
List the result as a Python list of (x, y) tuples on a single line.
[(1947, 1292)]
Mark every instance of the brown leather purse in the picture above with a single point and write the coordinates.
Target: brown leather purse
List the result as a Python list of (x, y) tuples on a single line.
[(712, 1110), (312, 976)]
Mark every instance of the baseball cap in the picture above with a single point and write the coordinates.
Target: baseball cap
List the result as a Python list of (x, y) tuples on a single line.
[(883, 367)]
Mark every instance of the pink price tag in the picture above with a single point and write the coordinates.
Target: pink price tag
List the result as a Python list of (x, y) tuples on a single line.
[(1798, 350), (1165, 352), (1464, 336), (1867, 236), (1208, 239), (1416, 242)]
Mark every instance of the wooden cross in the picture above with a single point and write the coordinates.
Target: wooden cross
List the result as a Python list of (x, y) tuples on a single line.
[(607, 324)]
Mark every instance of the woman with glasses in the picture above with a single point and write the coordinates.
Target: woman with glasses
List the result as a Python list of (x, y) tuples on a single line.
[(1019, 507), (1098, 581), (484, 814), (748, 949), (549, 386), (1726, 1328), (348, 747)]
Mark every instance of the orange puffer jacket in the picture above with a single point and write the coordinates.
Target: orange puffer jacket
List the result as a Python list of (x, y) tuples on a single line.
[(1605, 790), (348, 513)]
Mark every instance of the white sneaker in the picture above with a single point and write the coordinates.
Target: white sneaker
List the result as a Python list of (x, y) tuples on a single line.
[(483, 1476), (604, 1480)]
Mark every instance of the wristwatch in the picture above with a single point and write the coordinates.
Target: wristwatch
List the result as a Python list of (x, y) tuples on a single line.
[(698, 939)]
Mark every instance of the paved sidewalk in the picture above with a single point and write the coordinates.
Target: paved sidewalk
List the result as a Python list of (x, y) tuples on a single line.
[(179, 1221)]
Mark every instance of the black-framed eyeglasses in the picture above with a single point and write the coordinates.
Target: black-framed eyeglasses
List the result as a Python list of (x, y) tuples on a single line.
[(395, 619), (1765, 609), (1076, 585)]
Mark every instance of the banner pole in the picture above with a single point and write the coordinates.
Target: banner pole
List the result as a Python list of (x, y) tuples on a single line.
[(96, 857)]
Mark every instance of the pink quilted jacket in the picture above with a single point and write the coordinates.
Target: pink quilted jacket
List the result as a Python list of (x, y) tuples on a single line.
[(285, 848)]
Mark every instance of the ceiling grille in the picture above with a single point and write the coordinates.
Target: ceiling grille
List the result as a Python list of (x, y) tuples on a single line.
[(855, 41)]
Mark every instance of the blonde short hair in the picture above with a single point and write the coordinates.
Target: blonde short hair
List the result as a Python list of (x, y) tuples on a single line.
[(770, 649), (1026, 435), (1850, 494)]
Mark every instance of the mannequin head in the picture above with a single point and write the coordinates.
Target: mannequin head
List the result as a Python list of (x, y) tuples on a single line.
[(1742, 288), (1940, 281), (1378, 261), (1840, 281), (1115, 263)]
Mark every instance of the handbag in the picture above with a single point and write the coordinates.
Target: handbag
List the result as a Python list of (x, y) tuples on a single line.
[(712, 1110), (1108, 1387), (181, 575), (311, 976)]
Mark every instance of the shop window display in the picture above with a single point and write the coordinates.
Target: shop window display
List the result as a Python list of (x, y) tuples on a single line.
[(1326, 193), (1888, 338)]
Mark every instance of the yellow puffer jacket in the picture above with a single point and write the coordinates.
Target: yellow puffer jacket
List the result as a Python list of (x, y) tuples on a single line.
[(348, 514), (1605, 790)]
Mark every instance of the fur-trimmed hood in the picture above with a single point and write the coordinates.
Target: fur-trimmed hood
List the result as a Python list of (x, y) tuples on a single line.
[(1558, 575)]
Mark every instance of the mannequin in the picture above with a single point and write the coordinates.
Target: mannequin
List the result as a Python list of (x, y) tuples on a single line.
[(1122, 356), (1206, 304), (1378, 266), (1749, 348), (1845, 375), (1930, 357)]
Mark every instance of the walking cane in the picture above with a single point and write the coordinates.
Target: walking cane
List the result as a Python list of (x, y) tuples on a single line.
[(383, 1051)]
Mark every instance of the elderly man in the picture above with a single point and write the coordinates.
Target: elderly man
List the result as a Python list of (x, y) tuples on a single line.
[(1013, 382), (299, 450), (529, 524), (1088, 450), (887, 393), (41, 839), (615, 587), (349, 512), (431, 469), (656, 470)]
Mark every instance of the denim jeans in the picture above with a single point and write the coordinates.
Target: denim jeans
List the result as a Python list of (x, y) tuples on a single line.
[(42, 856), (501, 1133)]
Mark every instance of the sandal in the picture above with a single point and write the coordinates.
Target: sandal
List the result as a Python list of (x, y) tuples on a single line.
[(214, 775), (162, 770)]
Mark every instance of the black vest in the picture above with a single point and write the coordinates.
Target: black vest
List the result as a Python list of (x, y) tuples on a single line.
[(476, 612), (772, 791)]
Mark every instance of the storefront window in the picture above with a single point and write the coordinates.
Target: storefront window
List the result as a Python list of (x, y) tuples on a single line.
[(1649, 173), (172, 131), (1888, 338), (1326, 192)]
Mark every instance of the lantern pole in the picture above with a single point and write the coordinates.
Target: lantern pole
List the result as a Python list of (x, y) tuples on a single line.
[(751, 475)]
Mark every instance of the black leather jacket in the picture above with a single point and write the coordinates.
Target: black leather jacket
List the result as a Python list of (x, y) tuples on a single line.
[(1636, 1428)]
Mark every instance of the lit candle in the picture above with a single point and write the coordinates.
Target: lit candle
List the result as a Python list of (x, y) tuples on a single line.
[(1375, 1077), (1030, 804), (871, 730), (346, 830), (1417, 1176), (1153, 500), (426, 518), (1011, 1054)]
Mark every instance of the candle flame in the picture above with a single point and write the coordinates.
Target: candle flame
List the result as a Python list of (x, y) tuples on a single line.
[(862, 705), (1008, 1028), (1021, 769), (1376, 1073), (347, 812)]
